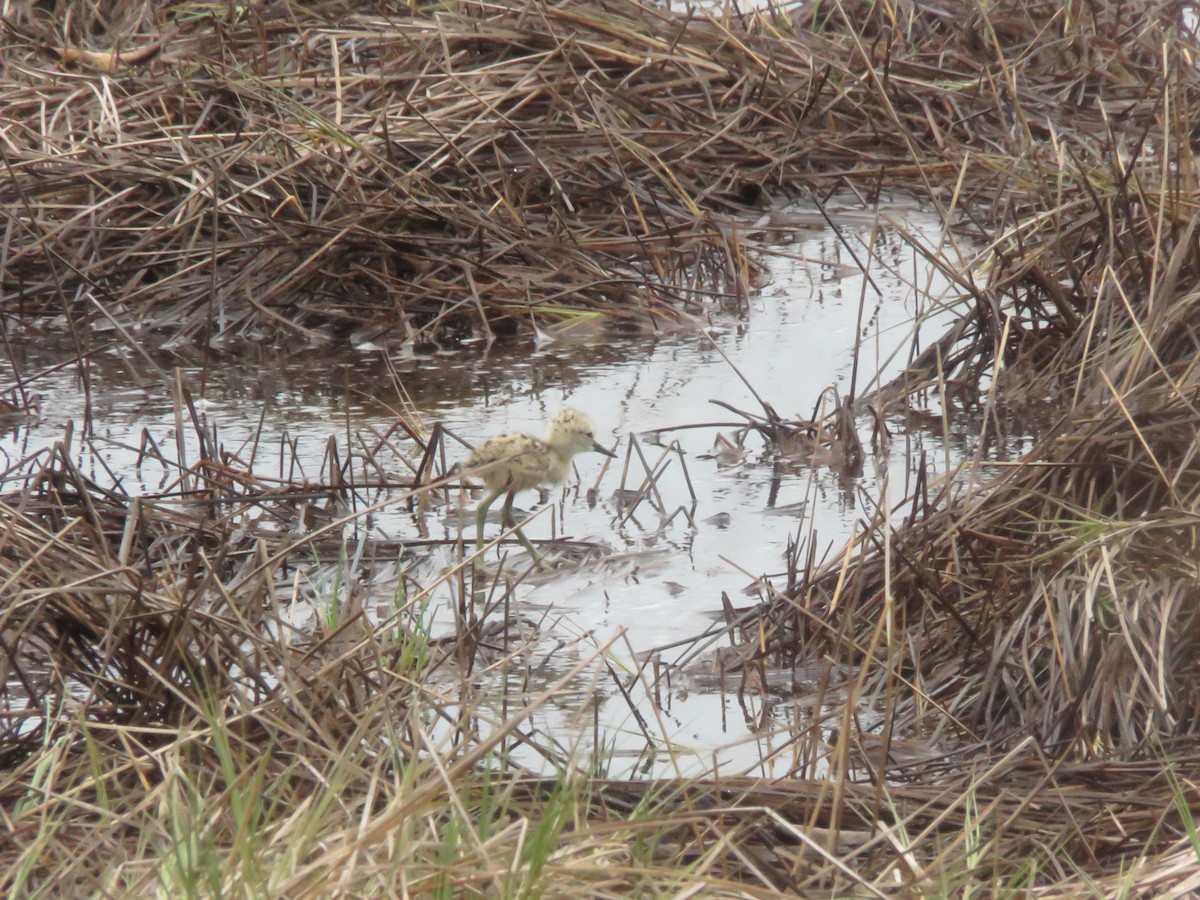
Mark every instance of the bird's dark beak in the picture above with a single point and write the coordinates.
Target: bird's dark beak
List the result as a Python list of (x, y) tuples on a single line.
[(596, 446)]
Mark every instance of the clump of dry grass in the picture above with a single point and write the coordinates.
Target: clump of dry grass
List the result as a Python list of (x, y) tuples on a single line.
[(1063, 587), (1054, 605), (224, 172), (379, 172)]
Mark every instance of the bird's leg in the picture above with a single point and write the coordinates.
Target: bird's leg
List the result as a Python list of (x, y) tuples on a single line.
[(481, 514), (510, 522)]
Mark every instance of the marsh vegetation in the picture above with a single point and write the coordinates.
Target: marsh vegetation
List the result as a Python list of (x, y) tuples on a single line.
[(993, 679)]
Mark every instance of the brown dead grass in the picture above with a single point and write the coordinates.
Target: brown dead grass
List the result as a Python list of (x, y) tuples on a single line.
[(308, 168)]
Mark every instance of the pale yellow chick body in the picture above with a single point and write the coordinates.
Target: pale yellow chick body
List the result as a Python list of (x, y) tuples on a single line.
[(517, 462)]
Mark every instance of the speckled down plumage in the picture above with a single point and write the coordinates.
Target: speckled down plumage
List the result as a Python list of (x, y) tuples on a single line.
[(517, 462)]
